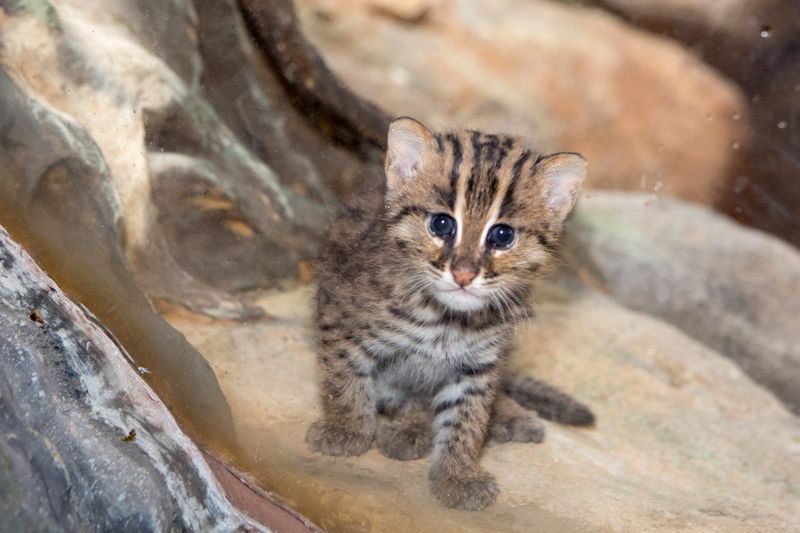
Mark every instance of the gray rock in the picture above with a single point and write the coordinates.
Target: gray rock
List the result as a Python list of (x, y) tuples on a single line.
[(735, 289), (84, 443), (56, 196)]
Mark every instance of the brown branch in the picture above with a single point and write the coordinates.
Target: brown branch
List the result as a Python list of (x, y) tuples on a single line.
[(314, 88)]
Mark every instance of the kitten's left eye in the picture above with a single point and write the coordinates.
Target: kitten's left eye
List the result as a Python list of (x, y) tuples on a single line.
[(442, 225), (500, 236)]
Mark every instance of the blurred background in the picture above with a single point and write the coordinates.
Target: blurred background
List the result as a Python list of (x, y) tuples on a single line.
[(681, 98), (173, 166)]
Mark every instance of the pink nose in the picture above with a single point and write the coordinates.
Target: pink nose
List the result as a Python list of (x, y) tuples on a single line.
[(464, 277)]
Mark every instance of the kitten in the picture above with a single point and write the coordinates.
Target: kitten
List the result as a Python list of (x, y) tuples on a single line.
[(420, 288)]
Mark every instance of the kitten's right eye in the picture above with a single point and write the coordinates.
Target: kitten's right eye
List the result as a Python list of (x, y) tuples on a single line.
[(442, 226)]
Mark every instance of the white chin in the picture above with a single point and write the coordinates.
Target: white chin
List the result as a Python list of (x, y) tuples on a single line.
[(460, 300)]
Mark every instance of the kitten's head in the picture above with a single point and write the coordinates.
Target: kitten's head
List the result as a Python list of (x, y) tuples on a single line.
[(473, 216)]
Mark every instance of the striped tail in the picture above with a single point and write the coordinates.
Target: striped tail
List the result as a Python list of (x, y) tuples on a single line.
[(548, 401)]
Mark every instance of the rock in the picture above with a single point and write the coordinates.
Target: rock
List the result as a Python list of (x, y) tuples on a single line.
[(196, 134), (645, 112), (409, 11), (685, 440), (85, 444), (736, 290), (736, 36), (134, 180), (56, 197), (756, 43), (763, 192), (138, 118)]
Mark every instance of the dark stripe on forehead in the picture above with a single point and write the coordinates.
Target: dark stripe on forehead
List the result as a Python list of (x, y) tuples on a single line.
[(477, 148), (457, 157), (500, 152), (494, 153), (506, 208), (444, 195), (491, 144), (505, 147), (489, 153)]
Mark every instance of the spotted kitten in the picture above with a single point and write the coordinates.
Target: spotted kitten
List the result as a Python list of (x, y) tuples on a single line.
[(421, 286)]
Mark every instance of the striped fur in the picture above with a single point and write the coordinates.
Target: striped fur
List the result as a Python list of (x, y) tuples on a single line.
[(398, 336)]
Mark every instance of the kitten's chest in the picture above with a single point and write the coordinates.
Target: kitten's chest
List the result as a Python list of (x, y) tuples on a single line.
[(424, 359), (425, 339)]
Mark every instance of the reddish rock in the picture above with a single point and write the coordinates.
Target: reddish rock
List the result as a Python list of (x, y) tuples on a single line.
[(757, 44), (646, 113)]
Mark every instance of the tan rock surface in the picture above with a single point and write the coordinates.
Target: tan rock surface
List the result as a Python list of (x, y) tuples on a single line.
[(685, 440), (643, 110)]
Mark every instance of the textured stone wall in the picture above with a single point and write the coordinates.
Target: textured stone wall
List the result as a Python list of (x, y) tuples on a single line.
[(84, 443)]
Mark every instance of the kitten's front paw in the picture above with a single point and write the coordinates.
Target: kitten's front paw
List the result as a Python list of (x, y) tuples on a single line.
[(471, 490), (405, 441), (522, 428), (338, 438)]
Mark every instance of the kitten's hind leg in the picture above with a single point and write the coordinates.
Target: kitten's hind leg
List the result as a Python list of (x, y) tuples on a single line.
[(512, 423), (406, 436), (548, 401)]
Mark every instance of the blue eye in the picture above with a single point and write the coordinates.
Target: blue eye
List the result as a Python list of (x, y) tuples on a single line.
[(500, 236), (442, 226)]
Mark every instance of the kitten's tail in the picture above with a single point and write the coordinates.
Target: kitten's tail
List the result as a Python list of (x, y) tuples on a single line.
[(548, 401)]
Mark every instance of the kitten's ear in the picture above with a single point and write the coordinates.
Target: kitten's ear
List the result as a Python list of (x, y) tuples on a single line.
[(563, 174), (408, 145)]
